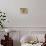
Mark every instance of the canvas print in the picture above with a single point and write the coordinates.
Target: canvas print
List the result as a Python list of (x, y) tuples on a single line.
[(24, 10)]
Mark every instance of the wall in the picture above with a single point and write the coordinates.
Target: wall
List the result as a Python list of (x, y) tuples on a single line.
[(34, 21), (35, 18)]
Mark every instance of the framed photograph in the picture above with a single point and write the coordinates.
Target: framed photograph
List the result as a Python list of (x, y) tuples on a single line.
[(24, 10)]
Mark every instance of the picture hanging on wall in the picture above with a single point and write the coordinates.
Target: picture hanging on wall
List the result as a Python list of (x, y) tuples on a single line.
[(24, 10)]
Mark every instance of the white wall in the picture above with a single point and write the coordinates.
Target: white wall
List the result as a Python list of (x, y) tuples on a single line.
[(36, 19), (36, 16)]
